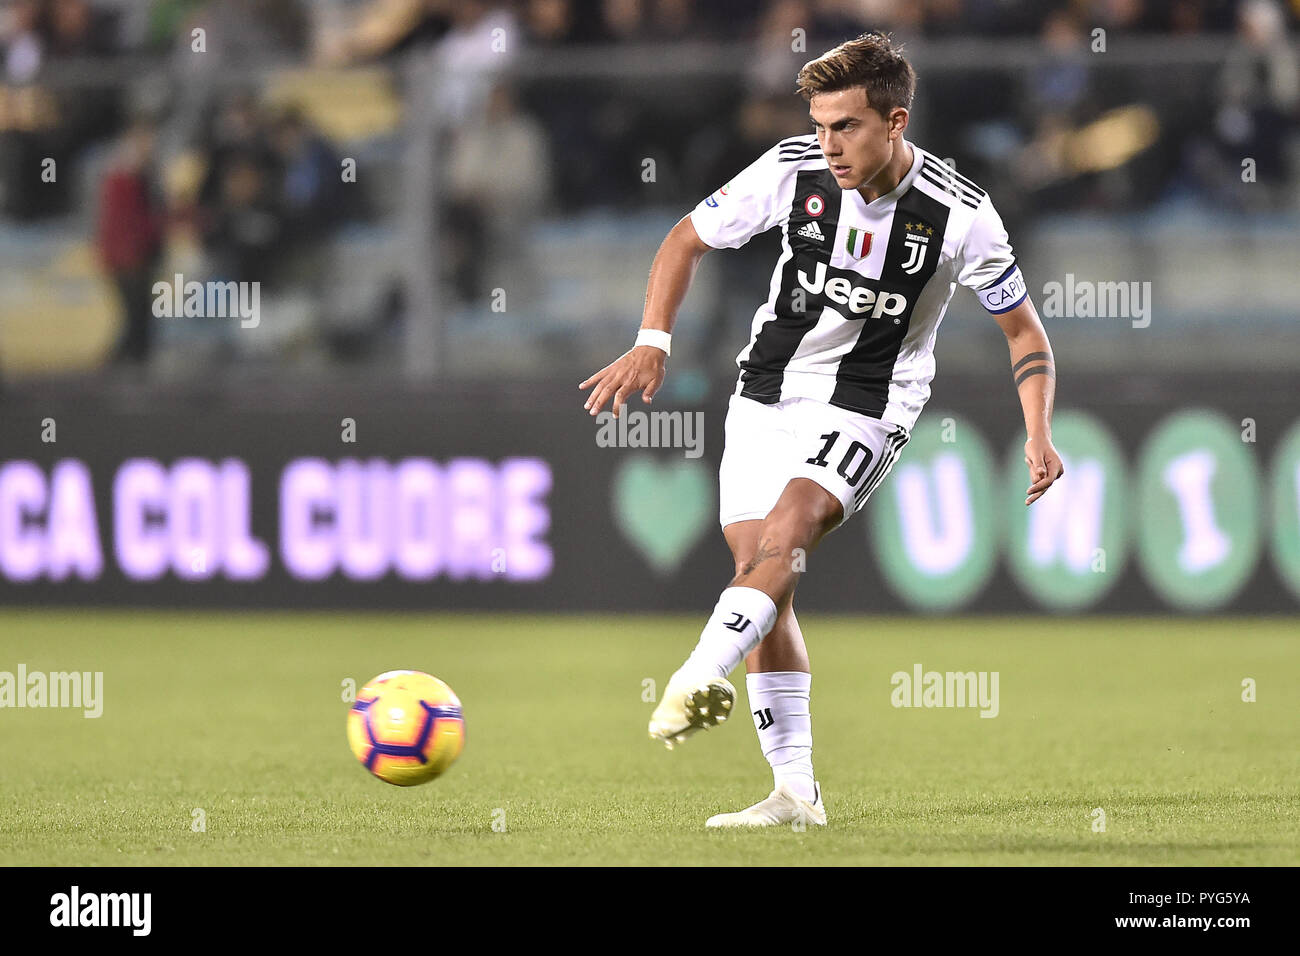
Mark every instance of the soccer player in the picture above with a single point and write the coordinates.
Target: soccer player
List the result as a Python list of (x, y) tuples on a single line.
[(876, 233)]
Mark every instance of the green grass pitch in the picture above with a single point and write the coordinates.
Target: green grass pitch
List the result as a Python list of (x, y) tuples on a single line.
[(241, 716)]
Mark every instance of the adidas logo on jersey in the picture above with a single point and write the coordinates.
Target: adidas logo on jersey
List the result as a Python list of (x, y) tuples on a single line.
[(812, 231), (856, 296)]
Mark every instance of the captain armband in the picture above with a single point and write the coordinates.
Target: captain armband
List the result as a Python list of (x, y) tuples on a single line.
[(1006, 292)]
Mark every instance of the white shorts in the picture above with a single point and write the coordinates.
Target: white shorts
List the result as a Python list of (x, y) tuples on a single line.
[(847, 453)]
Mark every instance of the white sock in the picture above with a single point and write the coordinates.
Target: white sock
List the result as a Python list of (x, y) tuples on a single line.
[(779, 701), (741, 619)]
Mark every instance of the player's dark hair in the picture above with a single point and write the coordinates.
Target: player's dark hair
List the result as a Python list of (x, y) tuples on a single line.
[(871, 61)]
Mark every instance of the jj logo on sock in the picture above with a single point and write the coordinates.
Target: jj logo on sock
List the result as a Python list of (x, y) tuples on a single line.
[(764, 716), (738, 622)]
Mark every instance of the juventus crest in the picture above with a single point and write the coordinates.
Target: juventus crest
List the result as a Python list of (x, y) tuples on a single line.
[(916, 242)]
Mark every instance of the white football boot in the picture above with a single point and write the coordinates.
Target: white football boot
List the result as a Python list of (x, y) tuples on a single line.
[(783, 807), (689, 705)]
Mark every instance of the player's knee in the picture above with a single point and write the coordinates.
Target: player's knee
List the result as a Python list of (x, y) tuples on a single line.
[(790, 527), (801, 523)]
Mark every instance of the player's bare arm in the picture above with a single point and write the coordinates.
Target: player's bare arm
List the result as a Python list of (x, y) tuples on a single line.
[(641, 368), (1034, 370)]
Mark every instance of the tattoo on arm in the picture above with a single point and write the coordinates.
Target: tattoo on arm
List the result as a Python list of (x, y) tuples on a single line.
[(1036, 370), (1048, 368), (1031, 357)]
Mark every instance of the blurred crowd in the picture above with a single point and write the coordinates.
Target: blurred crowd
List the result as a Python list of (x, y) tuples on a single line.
[(265, 200), (354, 29), (262, 196)]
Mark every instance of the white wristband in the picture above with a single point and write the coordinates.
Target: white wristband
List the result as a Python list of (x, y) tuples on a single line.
[(659, 339)]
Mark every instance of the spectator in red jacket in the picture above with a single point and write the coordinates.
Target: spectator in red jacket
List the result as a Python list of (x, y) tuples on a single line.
[(130, 237)]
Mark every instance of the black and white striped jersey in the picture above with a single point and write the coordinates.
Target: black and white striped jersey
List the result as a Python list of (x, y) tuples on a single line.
[(860, 288)]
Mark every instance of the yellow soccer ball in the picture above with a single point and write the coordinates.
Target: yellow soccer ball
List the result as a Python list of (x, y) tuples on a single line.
[(406, 727)]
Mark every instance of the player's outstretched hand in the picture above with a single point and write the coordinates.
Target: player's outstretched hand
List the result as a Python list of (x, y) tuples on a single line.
[(638, 369), (1044, 467)]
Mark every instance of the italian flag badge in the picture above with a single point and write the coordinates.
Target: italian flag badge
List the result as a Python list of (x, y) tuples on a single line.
[(858, 243)]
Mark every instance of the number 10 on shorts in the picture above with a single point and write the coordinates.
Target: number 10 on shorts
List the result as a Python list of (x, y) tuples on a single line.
[(857, 458)]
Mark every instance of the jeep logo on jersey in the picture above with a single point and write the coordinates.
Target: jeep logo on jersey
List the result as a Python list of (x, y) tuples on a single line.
[(855, 294)]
